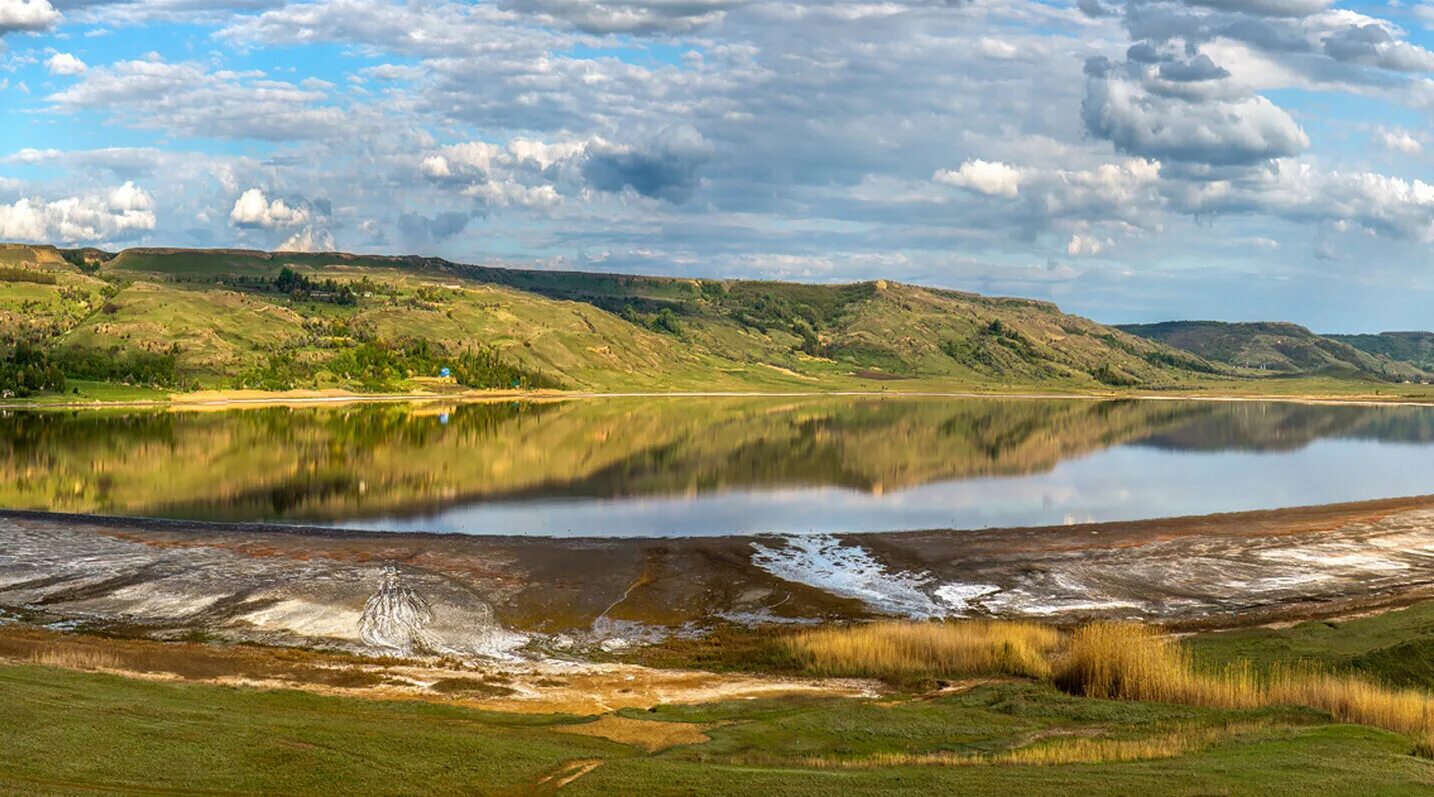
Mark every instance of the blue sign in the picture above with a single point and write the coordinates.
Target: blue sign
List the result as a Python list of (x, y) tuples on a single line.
[(445, 373)]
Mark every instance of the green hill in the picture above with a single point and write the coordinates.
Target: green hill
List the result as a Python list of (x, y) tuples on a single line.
[(1415, 348), (184, 319), (1276, 347)]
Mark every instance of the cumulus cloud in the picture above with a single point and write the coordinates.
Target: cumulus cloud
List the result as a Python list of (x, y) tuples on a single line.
[(627, 16), (1081, 244), (64, 64), (420, 231), (308, 239), (662, 168), (1375, 45), (122, 213), (26, 15), (1273, 8), (1223, 132), (1398, 140), (983, 177), (255, 210)]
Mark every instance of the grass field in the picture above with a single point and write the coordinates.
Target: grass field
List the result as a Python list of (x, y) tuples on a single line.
[(67, 732), (71, 732)]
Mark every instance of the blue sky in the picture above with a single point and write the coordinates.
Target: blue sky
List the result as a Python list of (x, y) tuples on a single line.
[(1133, 161)]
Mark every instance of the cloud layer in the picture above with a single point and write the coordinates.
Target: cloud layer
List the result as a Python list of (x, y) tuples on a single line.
[(1110, 155)]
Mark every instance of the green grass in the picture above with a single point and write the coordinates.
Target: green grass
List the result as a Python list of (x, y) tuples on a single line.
[(63, 732), (1396, 647), (66, 732), (1329, 760), (88, 391)]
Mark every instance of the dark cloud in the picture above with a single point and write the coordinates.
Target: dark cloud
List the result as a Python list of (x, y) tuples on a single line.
[(1272, 8), (422, 231), (1219, 132), (1199, 68), (1095, 9), (664, 168), (627, 16)]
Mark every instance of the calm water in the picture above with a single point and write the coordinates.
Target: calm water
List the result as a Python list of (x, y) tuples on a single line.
[(713, 466)]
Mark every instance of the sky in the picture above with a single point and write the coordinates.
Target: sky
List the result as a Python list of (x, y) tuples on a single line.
[(1137, 161)]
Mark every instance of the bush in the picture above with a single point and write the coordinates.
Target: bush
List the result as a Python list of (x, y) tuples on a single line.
[(484, 367), (26, 369), (15, 274), (133, 366), (280, 371)]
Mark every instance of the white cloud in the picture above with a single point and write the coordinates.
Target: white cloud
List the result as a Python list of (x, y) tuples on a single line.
[(435, 166), (1081, 244), (21, 15), (1398, 140), (65, 64), (121, 213), (308, 239), (253, 209), (983, 177), (192, 99), (999, 49)]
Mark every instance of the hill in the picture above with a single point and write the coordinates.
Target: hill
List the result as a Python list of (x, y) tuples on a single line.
[(1277, 347), (1415, 348), (233, 318)]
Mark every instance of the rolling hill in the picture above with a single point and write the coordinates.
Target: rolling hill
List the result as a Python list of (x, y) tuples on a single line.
[(1415, 348), (1277, 347), (231, 318)]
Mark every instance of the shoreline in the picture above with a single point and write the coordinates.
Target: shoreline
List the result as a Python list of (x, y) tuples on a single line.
[(199, 401), (1270, 521)]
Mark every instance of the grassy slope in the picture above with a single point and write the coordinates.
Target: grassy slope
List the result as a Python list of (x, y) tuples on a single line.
[(1415, 348), (1274, 346), (604, 331), (75, 733), (1395, 647)]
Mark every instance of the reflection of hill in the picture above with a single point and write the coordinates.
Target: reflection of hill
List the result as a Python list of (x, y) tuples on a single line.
[(366, 460), (1287, 427), (373, 459)]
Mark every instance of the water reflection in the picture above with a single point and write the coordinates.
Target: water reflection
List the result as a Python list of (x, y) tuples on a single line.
[(712, 466)]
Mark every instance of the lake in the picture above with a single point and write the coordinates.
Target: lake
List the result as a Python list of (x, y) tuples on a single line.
[(712, 466)]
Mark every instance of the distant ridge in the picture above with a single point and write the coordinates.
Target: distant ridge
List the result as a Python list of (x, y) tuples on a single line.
[(1277, 347), (1415, 348)]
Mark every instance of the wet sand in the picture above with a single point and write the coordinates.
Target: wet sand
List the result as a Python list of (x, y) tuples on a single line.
[(517, 598)]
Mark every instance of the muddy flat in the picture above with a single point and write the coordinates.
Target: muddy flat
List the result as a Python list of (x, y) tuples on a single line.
[(508, 597)]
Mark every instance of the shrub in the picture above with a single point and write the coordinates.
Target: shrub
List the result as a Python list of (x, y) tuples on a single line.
[(16, 274), (26, 369), (121, 365)]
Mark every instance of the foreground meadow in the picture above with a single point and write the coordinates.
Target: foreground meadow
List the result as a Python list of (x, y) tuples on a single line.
[(982, 707)]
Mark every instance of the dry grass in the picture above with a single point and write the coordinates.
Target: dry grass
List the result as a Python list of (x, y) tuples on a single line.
[(1132, 662), (928, 649), (1075, 750), (647, 734), (76, 658)]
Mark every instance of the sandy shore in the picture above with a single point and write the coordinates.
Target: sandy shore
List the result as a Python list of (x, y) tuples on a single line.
[(236, 399)]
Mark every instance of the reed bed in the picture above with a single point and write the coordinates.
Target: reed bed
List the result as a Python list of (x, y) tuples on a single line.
[(1126, 661), (904, 650), (76, 658)]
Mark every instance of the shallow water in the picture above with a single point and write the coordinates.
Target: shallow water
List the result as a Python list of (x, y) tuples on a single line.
[(704, 466)]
